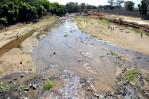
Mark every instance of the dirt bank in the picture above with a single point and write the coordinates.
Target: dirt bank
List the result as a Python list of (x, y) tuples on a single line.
[(122, 36), (16, 45)]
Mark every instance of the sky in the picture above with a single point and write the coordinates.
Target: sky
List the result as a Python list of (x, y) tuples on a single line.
[(91, 2)]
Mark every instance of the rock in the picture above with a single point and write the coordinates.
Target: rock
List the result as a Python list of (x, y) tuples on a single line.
[(15, 79), (54, 53), (16, 89), (25, 97), (146, 92), (30, 86), (106, 95), (8, 97), (34, 86), (10, 81), (20, 62), (22, 75), (26, 89)]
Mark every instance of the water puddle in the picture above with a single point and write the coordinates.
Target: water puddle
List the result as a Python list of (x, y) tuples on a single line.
[(14, 44)]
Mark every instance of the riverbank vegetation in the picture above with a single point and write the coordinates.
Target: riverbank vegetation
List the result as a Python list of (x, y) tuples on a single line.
[(13, 11)]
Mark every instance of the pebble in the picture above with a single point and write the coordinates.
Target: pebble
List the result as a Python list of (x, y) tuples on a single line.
[(34, 86), (22, 75), (20, 62), (54, 53), (30, 86)]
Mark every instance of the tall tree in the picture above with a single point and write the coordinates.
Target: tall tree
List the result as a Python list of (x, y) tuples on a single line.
[(143, 7), (129, 5), (72, 7), (82, 6), (111, 2), (119, 3)]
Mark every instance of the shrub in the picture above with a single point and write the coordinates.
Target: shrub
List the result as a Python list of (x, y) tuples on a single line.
[(3, 20), (48, 85), (131, 75), (27, 10)]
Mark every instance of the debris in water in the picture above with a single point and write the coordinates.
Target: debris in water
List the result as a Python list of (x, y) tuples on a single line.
[(54, 53)]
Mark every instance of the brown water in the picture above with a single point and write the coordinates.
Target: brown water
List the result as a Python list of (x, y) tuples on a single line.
[(72, 55), (15, 43)]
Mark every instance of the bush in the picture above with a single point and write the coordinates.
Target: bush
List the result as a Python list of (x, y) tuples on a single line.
[(27, 10), (48, 85), (3, 20), (57, 9), (131, 75)]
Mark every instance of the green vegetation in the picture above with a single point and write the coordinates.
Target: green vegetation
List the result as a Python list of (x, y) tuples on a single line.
[(139, 31), (129, 5), (143, 7), (48, 85), (131, 75), (114, 54), (6, 86), (72, 7), (12, 11), (104, 22)]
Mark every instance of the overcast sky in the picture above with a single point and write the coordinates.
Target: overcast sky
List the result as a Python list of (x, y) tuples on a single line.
[(91, 2)]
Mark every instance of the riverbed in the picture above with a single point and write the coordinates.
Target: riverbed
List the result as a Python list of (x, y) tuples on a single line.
[(71, 55)]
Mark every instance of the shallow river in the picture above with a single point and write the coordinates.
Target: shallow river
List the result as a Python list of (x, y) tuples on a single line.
[(73, 55)]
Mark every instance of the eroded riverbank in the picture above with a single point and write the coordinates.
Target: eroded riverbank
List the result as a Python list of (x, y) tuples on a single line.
[(16, 45)]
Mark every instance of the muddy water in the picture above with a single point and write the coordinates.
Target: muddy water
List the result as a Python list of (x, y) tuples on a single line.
[(14, 44), (72, 55)]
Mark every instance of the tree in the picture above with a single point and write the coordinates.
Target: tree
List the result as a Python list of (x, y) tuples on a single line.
[(129, 5), (91, 7), (111, 2), (143, 8), (72, 7), (119, 3), (12, 11), (82, 7), (57, 9)]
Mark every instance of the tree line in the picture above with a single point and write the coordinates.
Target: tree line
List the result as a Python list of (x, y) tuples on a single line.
[(12, 11), (129, 6)]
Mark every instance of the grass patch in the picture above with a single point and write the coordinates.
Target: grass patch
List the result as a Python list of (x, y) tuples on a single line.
[(48, 85), (94, 36), (114, 54), (104, 22), (6, 86), (66, 34), (131, 75), (138, 31)]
